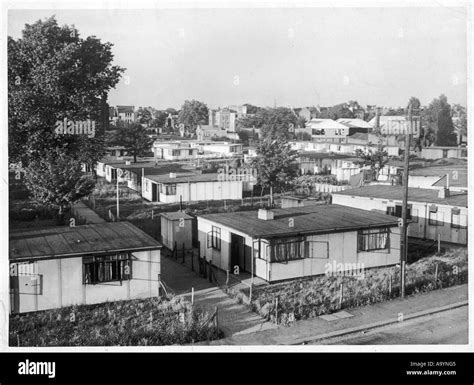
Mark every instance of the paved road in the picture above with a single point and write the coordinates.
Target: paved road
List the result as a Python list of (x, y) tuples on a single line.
[(448, 327)]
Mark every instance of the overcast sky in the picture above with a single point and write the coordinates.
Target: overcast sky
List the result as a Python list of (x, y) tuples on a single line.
[(294, 57)]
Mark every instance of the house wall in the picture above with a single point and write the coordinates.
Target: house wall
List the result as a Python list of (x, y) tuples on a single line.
[(197, 191), (342, 249), (172, 232), (422, 181), (421, 228), (62, 284)]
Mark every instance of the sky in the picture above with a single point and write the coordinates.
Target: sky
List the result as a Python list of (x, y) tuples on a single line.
[(285, 56)]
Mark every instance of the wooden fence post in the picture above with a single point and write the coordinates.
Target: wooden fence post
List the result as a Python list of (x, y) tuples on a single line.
[(276, 310), (192, 296), (183, 253), (159, 285), (192, 259), (175, 250), (210, 272), (436, 273), (341, 294), (390, 284)]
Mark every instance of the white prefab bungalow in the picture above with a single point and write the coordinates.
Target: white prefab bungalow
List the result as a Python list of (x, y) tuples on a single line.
[(444, 152), (431, 212), (297, 242), (189, 187), (63, 266), (174, 150)]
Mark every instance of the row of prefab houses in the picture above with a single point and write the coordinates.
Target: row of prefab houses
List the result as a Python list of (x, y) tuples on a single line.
[(90, 264)]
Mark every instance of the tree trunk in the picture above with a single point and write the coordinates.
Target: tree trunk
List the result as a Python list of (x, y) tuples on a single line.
[(271, 196)]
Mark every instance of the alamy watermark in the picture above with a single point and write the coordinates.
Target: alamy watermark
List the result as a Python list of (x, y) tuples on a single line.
[(338, 269), (236, 174), (71, 127)]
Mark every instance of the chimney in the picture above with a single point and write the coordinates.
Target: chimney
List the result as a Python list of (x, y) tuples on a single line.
[(172, 175), (443, 193), (265, 214)]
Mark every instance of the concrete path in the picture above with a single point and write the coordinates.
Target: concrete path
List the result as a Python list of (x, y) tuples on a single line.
[(81, 210), (318, 329), (233, 318)]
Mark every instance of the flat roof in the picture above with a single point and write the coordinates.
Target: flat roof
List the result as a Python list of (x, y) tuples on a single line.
[(64, 241), (318, 219), (414, 194), (184, 178), (325, 155), (457, 174), (174, 215)]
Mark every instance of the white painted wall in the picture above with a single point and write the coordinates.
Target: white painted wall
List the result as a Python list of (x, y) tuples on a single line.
[(342, 249), (62, 283), (421, 228)]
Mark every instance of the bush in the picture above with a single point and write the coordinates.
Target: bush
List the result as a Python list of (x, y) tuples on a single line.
[(308, 298), (151, 321)]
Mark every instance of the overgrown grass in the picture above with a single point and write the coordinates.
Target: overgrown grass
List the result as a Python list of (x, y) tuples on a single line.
[(309, 298), (151, 321)]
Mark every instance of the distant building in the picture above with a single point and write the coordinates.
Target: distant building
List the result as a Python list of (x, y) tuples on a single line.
[(124, 114), (89, 264), (176, 150), (263, 242), (327, 130), (437, 152), (173, 188), (453, 177), (431, 212), (356, 125), (207, 132)]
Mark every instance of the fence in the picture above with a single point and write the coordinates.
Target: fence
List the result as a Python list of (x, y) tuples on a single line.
[(286, 302), (329, 188)]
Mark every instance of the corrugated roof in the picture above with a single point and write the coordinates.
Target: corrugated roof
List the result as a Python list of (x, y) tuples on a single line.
[(57, 242), (414, 194), (306, 220)]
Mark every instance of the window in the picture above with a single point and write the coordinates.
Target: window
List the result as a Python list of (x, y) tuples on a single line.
[(214, 238), (458, 220), (108, 268), (171, 189), (436, 219), (397, 211), (373, 239), (286, 249)]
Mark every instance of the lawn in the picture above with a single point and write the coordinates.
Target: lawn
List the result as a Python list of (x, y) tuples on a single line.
[(152, 321)]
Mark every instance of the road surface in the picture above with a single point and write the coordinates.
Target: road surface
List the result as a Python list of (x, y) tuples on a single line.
[(448, 327)]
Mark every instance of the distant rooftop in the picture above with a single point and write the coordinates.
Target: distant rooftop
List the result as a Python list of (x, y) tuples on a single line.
[(414, 194), (65, 241), (184, 178), (359, 123), (319, 219), (324, 124)]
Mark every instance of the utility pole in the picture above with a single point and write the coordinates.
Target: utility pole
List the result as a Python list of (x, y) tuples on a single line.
[(404, 234)]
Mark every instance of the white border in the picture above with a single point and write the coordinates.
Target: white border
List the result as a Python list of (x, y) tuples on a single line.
[(146, 4)]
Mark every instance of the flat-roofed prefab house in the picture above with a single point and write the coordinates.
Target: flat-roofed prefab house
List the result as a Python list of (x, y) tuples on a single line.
[(431, 212), (443, 152), (189, 187), (174, 150), (298, 242), (63, 266)]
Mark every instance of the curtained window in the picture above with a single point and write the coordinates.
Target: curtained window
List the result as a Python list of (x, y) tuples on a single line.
[(108, 268), (373, 239)]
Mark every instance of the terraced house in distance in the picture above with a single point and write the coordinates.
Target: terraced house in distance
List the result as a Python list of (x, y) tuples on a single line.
[(281, 244)]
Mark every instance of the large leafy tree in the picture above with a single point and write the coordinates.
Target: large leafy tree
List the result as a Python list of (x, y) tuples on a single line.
[(439, 121), (338, 111), (376, 159), (193, 113), (134, 138), (144, 115), (56, 179), (275, 164), (54, 74)]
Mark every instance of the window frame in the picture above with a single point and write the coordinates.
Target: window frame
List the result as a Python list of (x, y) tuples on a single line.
[(373, 232), (214, 238), (121, 260)]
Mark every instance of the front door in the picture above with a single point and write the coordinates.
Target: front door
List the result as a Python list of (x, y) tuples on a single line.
[(154, 193), (239, 254)]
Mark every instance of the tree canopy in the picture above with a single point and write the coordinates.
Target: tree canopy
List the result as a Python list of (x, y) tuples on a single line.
[(135, 139), (55, 75), (192, 114), (439, 120)]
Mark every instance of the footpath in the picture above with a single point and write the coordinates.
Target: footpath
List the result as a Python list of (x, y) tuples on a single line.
[(81, 210), (358, 319)]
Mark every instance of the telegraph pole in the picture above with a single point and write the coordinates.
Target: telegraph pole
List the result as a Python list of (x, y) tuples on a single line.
[(404, 234)]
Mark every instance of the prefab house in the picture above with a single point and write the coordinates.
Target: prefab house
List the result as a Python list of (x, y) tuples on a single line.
[(187, 187), (432, 213), (177, 229), (63, 266), (297, 242), (443, 152)]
